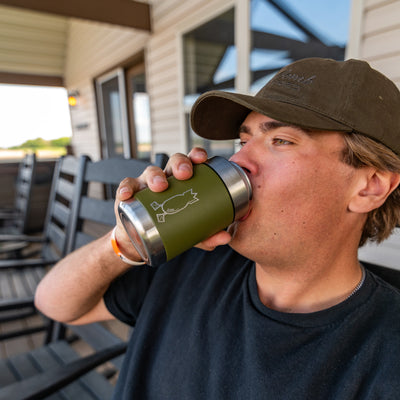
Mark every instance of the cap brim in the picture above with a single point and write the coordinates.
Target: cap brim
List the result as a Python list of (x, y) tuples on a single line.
[(218, 115)]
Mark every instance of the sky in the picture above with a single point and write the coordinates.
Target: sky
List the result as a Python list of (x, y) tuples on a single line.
[(327, 20), (29, 112)]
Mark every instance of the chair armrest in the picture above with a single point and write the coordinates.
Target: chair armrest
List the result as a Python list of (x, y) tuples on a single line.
[(48, 382), (40, 262), (12, 247), (21, 238), (9, 214)]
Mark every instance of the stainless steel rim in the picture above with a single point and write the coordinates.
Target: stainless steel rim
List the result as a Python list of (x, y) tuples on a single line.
[(142, 232), (236, 181)]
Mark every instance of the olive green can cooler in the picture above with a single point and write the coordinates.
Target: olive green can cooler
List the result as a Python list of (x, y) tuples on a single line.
[(163, 225)]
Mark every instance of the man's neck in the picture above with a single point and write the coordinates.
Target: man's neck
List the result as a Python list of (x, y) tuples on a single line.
[(305, 289)]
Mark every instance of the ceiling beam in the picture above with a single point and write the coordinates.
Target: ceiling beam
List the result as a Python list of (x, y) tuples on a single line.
[(133, 14), (30, 79)]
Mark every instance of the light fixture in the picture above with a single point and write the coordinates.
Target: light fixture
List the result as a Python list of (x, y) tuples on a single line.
[(73, 98)]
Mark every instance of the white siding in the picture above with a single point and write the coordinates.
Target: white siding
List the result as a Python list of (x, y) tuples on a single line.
[(379, 44), (94, 48), (85, 139), (171, 19), (32, 42), (386, 253), (380, 36)]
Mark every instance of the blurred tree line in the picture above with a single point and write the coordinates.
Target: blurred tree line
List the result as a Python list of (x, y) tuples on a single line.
[(40, 143)]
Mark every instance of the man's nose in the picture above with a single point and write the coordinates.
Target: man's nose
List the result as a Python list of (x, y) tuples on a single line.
[(245, 158)]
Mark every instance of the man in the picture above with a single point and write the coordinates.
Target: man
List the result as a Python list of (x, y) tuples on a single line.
[(285, 311)]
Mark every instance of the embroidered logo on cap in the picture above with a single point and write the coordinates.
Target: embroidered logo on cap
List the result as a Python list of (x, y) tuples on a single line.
[(292, 80)]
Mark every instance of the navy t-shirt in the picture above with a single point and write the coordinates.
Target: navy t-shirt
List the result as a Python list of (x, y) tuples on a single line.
[(201, 332)]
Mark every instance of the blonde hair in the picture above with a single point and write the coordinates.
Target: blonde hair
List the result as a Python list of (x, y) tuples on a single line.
[(362, 151)]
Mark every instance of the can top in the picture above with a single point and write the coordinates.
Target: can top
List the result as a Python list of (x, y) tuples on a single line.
[(236, 181)]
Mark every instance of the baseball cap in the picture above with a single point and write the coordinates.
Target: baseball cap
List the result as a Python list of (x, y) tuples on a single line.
[(313, 93)]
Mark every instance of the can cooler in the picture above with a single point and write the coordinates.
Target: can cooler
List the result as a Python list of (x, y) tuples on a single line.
[(165, 224)]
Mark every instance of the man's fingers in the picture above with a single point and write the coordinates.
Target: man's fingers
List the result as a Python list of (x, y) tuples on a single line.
[(198, 155), (219, 239), (127, 188), (181, 166), (154, 178)]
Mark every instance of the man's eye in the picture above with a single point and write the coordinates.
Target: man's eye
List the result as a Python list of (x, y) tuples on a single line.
[(280, 142), (242, 143)]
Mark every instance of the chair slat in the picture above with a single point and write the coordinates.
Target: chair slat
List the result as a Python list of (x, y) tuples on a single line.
[(61, 213), (81, 239), (48, 357), (70, 166), (58, 237), (114, 170), (98, 385), (6, 373), (21, 209), (23, 365), (98, 210), (65, 189)]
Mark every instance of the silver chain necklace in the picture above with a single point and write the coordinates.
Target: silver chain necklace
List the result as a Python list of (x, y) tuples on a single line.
[(359, 284)]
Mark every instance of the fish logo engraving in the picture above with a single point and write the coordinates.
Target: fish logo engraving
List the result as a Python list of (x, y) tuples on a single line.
[(174, 204)]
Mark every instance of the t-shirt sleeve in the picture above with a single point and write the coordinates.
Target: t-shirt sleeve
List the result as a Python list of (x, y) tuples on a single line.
[(125, 295)]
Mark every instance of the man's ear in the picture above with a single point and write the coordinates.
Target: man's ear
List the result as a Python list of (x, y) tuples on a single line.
[(374, 188)]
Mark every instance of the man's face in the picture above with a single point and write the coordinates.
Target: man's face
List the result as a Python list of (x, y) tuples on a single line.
[(301, 190)]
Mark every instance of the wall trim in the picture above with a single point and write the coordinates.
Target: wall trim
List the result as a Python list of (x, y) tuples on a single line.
[(28, 79), (353, 48)]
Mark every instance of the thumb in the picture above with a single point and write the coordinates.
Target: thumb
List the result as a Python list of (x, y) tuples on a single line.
[(219, 239)]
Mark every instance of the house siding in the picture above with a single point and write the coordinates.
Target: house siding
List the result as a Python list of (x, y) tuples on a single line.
[(95, 48), (379, 44), (380, 36), (164, 66), (32, 42)]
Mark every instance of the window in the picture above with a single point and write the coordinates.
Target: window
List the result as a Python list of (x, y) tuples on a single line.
[(209, 63), (139, 112), (111, 100), (281, 31), (124, 113)]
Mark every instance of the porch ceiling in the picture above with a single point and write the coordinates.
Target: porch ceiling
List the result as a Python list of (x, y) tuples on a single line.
[(33, 34)]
